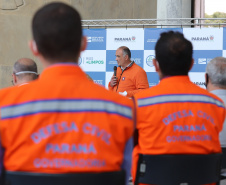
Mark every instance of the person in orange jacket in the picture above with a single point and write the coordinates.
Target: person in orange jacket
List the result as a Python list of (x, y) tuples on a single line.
[(130, 78), (63, 122), (176, 116)]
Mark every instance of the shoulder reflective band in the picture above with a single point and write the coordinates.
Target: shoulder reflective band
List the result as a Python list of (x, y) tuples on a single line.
[(65, 106), (179, 98)]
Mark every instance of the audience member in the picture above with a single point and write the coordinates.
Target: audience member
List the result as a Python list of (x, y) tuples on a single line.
[(63, 122), (216, 84), (130, 78), (24, 71), (176, 116)]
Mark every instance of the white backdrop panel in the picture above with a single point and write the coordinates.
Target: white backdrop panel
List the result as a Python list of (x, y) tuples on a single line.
[(93, 60), (205, 38), (133, 38)]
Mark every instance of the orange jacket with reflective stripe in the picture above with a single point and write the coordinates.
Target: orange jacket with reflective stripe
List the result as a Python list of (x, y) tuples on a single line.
[(63, 122), (178, 117), (132, 80)]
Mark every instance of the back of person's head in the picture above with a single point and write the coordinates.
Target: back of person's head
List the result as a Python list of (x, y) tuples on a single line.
[(57, 32), (216, 71), (174, 54), (126, 51), (25, 68)]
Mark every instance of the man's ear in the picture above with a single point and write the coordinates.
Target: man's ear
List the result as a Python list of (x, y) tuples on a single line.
[(33, 47), (83, 44), (14, 79), (192, 63), (206, 79), (156, 64)]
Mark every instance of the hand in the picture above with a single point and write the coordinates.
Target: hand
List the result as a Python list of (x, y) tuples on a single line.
[(113, 81), (123, 93)]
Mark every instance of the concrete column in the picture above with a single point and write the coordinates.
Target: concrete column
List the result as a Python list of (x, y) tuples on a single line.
[(173, 9), (199, 9)]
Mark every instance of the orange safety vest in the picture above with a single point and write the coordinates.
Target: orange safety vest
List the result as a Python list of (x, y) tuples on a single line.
[(63, 122), (177, 117), (132, 80)]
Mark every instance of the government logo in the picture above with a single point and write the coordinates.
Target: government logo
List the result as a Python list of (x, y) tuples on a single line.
[(95, 62), (149, 60), (201, 60), (136, 60), (100, 82), (210, 38), (152, 40), (125, 39), (112, 62), (91, 60), (95, 39)]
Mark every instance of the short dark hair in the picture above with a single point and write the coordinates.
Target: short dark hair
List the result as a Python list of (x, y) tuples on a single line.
[(173, 53), (57, 32), (126, 51)]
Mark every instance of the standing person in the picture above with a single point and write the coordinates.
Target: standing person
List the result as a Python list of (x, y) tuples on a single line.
[(216, 84), (24, 71), (63, 122), (176, 116), (130, 77)]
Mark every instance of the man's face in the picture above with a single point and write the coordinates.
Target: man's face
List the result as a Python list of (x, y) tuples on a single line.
[(119, 57)]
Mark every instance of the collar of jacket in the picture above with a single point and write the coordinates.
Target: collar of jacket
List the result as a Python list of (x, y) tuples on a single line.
[(62, 69), (130, 65)]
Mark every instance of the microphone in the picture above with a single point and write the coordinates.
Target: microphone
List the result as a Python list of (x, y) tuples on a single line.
[(115, 70)]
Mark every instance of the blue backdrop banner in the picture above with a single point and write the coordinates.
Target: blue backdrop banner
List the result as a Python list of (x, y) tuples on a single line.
[(99, 58)]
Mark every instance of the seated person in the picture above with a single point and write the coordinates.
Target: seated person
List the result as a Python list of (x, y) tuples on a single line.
[(63, 122), (176, 116), (24, 71)]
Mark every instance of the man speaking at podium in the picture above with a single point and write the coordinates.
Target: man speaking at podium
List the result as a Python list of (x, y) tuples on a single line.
[(129, 77)]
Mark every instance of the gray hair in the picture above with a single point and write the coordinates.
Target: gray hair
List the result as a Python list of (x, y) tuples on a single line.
[(216, 70), (125, 51)]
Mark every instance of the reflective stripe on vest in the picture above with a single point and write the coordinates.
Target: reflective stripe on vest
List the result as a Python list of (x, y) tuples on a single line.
[(179, 98), (64, 105)]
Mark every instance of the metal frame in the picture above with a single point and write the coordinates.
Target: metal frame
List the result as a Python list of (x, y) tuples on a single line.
[(171, 22)]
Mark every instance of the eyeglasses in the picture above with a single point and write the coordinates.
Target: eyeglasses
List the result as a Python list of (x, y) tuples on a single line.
[(24, 72)]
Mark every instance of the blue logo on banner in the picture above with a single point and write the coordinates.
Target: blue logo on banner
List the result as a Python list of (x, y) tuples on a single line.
[(149, 60), (110, 60), (153, 78), (98, 77), (202, 57), (96, 39), (151, 35), (138, 57)]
